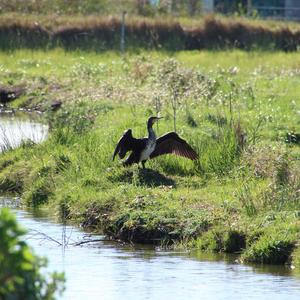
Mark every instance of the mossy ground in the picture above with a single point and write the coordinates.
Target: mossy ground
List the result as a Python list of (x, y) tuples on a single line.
[(234, 108)]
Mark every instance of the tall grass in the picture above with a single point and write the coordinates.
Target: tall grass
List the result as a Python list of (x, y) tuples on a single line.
[(220, 34), (103, 33), (218, 154)]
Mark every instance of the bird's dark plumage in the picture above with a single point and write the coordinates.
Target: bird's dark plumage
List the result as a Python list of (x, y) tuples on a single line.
[(148, 148), (171, 143), (128, 143), (124, 144)]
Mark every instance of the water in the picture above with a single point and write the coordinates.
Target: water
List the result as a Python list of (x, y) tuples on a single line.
[(107, 270), (110, 271), (15, 128)]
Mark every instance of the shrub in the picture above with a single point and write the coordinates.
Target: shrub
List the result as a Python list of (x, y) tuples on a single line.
[(20, 269)]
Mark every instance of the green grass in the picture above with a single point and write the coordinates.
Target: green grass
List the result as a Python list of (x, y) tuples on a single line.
[(235, 108)]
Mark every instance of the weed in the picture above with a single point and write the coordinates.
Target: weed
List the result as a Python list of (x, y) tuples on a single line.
[(247, 199), (218, 154)]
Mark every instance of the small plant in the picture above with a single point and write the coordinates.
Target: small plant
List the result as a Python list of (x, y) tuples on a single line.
[(218, 153), (20, 269), (174, 82), (255, 130), (181, 85), (247, 198), (282, 170)]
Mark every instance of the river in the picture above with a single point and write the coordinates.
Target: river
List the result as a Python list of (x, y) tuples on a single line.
[(109, 270)]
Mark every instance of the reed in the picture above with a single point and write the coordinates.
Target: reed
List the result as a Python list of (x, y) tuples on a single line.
[(243, 34), (103, 33)]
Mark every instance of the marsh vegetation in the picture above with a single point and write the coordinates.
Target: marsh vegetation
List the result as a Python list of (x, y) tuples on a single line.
[(236, 108)]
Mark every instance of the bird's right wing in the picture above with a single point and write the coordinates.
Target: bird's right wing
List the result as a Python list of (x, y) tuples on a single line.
[(171, 143)]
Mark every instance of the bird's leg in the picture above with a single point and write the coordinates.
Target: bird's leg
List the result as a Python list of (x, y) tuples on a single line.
[(143, 164)]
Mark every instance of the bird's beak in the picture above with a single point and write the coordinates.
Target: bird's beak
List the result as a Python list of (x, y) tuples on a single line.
[(158, 118)]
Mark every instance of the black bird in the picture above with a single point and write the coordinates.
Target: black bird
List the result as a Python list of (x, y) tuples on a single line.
[(150, 147)]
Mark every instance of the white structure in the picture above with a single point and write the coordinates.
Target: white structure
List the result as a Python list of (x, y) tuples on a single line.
[(208, 6), (292, 9), (289, 9)]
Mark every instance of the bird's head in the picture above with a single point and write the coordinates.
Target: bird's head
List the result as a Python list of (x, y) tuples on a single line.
[(152, 120)]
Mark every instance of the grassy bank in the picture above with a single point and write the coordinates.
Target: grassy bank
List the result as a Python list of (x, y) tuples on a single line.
[(237, 109), (102, 33)]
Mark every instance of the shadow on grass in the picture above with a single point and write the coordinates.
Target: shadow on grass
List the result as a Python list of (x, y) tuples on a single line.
[(150, 178), (140, 177)]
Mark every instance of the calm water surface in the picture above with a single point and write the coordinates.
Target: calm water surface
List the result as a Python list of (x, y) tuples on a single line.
[(18, 127), (107, 270), (110, 271)]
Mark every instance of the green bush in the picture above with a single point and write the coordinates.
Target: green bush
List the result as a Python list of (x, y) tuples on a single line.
[(20, 275), (272, 248)]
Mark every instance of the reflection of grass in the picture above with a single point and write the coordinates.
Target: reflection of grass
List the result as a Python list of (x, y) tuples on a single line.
[(5, 142), (16, 133), (245, 182)]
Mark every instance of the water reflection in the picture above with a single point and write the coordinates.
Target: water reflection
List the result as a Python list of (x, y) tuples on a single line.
[(108, 270), (18, 127)]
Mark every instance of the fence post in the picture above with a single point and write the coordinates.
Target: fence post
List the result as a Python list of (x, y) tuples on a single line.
[(249, 8), (123, 33)]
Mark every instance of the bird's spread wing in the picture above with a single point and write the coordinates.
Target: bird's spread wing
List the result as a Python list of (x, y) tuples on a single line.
[(124, 144), (171, 143), (128, 143)]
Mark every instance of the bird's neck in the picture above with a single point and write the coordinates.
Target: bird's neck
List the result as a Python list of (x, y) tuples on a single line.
[(151, 133)]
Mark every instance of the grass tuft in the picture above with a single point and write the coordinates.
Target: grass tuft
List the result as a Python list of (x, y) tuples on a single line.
[(274, 248)]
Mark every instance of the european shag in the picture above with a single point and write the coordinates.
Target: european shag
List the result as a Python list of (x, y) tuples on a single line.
[(150, 147)]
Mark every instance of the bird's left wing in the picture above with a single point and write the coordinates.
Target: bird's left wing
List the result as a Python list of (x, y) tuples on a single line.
[(171, 143), (124, 144)]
